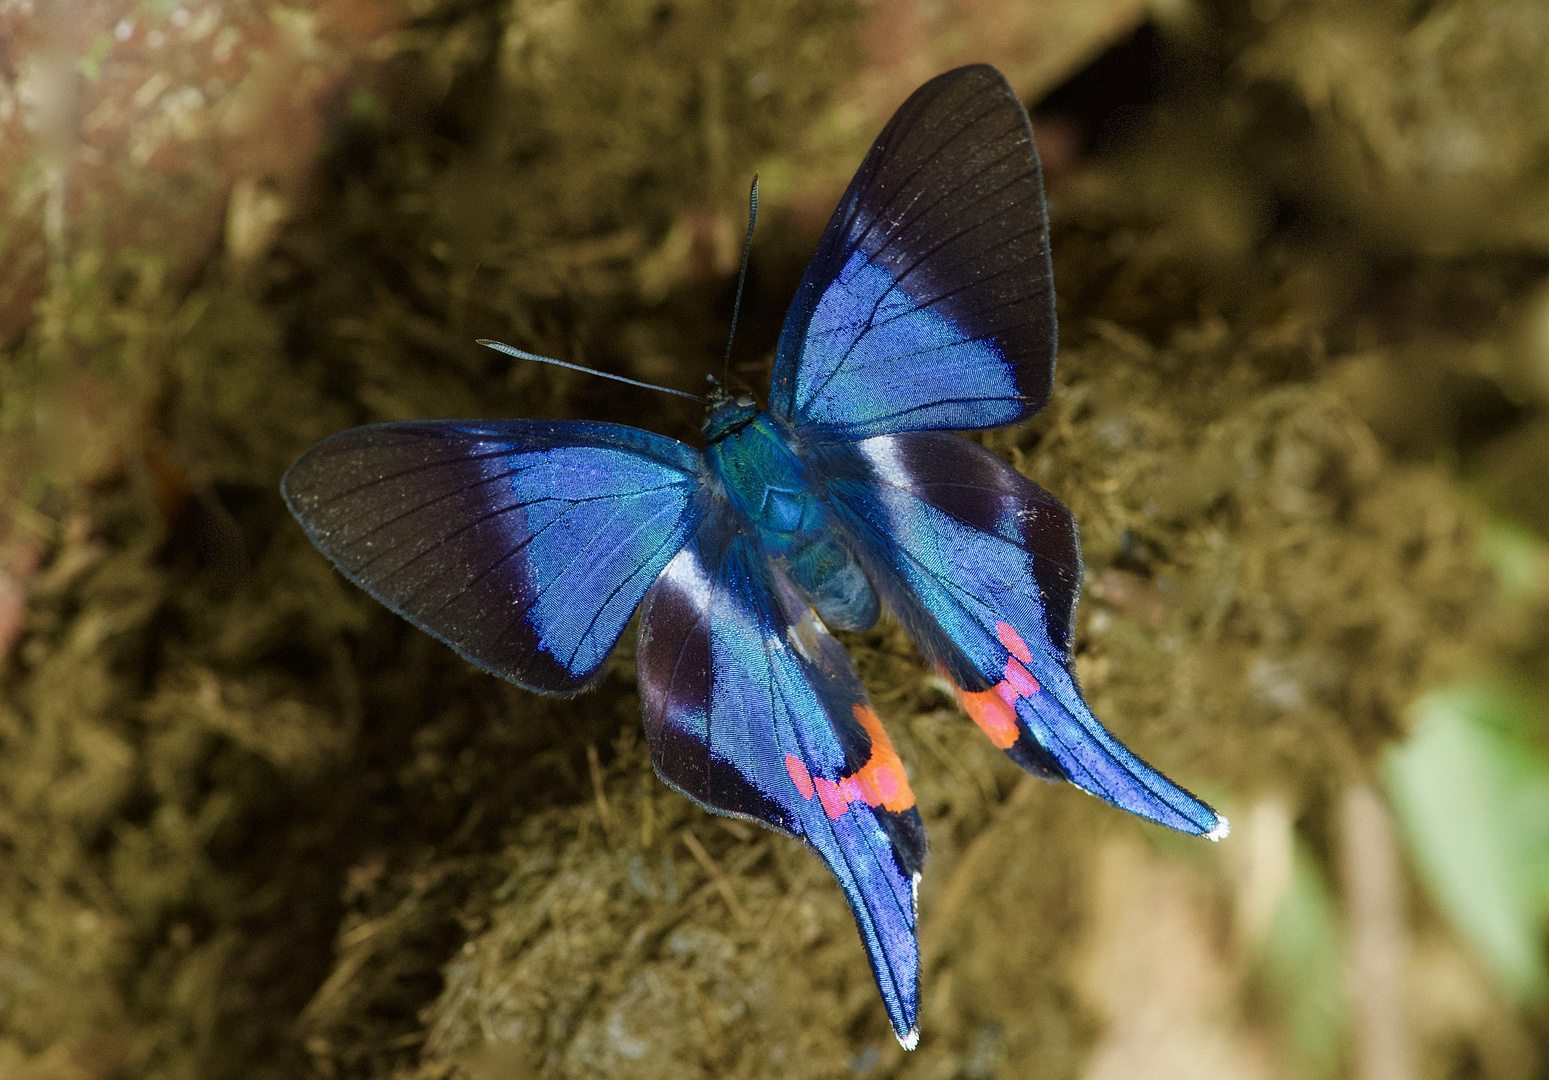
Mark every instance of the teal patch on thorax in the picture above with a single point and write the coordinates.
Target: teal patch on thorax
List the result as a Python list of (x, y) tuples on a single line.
[(768, 483)]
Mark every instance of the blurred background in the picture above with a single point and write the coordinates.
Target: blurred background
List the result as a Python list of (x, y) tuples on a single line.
[(253, 825)]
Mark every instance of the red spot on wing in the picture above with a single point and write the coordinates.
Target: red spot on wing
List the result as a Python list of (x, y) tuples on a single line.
[(892, 785), (1013, 642), (799, 775)]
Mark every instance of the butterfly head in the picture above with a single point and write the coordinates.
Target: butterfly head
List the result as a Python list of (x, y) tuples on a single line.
[(726, 413)]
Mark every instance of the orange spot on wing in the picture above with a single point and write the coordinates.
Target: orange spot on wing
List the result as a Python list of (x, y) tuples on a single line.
[(882, 780), (995, 709), (1013, 642), (991, 712)]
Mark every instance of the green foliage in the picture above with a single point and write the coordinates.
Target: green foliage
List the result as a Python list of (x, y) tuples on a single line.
[(1518, 556), (1471, 788)]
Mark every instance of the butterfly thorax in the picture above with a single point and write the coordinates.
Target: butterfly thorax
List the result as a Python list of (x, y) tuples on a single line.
[(769, 489)]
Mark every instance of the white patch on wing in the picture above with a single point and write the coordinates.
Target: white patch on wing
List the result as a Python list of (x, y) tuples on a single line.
[(886, 461), (686, 574)]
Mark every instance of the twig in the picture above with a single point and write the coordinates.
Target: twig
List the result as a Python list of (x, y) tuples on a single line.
[(1374, 899), (722, 884), (603, 810)]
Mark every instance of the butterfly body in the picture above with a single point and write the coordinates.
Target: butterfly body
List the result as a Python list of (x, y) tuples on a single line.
[(767, 484), (527, 545)]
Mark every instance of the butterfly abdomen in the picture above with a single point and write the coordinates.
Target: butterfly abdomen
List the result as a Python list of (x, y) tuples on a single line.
[(768, 487)]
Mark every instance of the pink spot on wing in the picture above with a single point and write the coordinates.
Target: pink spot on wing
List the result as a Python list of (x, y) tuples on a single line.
[(799, 776), (1020, 678), (887, 786), (1013, 642), (1007, 693), (832, 796)]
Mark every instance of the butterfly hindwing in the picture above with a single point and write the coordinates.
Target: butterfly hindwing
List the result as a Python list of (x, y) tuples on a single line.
[(524, 545), (983, 566), (752, 709), (930, 301)]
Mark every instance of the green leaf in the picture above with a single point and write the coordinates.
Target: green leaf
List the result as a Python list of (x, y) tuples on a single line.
[(1471, 791), (1518, 557), (90, 65)]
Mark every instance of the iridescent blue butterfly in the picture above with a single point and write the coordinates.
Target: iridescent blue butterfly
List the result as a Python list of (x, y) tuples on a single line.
[(527, 546)]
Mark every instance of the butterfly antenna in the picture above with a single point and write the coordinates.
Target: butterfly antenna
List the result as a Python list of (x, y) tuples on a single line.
[(520, 354), (742, 275)]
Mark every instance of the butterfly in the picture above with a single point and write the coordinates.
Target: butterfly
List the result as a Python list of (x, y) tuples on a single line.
[(528, 545)]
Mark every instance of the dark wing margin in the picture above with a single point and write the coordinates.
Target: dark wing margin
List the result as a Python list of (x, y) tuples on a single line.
[(525, 546), (983, 567), (930, 302), (753, 710)]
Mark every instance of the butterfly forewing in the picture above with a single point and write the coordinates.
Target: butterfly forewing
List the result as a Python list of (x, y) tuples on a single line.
[(524, 545), (930, 301)]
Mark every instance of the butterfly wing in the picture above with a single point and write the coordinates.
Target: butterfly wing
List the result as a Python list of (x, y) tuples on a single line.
[(753, 710), (525, 546), (930, 302), (983, 567)]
